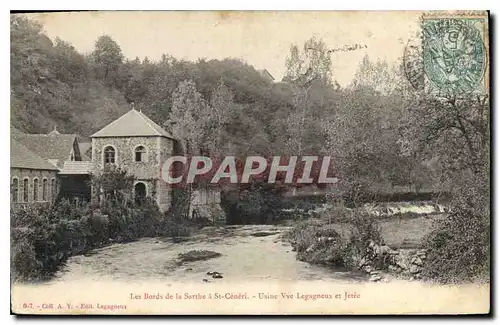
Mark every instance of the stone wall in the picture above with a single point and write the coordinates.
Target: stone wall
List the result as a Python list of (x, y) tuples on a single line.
[(31, 174), (164, 191), (158, 149), (206, 203), (147, 171), (125, 155)]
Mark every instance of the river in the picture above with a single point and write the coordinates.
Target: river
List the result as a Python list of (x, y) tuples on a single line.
[(245, 257), (143, 277)]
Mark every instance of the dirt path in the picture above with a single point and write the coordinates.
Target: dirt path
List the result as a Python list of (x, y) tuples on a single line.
[(245, 257)]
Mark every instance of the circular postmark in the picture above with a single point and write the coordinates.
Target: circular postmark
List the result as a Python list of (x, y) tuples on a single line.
[(454, 57)]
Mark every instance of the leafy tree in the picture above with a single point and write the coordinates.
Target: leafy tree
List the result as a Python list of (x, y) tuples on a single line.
[(309, 74), (217, 115), (114, 184), (311, 62), (187, 117), (454, 132), (68, 65), (375, 75), (107, 58)]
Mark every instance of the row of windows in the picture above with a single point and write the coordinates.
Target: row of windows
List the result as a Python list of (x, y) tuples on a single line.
[(37, 196), (110, 154)]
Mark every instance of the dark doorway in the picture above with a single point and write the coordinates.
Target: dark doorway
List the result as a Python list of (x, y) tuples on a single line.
[(140, 192)]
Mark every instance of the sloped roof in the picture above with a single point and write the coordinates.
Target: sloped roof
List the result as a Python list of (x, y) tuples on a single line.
[(22, 157), (77, 168), (266, 74), (52, 146), (133, 123)]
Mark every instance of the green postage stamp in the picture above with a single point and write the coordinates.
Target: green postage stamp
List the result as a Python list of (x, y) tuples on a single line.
[(455, 54)]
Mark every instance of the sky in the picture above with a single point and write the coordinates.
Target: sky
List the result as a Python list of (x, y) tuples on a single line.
[(261, 39)]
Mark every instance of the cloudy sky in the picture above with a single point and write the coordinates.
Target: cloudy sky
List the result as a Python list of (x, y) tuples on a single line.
[(262, 39)]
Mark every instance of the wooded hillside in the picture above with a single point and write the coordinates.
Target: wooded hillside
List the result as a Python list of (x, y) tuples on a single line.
[(370, 128)]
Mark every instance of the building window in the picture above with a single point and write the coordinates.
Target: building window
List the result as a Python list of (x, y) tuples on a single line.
[(44, 189), (109, 155), (15, 190), (25, 190), (35, 189), (53, 188), (140, 153)]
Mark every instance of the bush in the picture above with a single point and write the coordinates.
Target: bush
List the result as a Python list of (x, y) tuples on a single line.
[(42, 238), (129, 222), (459, 246), (175, 229), (23, 260), (319, 242), (365, 228), (40, 231)]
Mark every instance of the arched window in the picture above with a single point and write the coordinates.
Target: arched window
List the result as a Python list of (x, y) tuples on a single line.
[(140, 153), (44, 189), (15, 190), (35, 189), (25, 190), (109, 155), (53, 189)]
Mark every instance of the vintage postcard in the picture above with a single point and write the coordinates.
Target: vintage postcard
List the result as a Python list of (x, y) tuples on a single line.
[(250, 163)]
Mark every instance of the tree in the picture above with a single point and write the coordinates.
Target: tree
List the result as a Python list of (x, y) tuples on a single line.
[(454, 131), (114, 184), (309, 73), (68, 65), (374, 75), (313, 62), (107, 58), (31, 78), (217, 115), (187, 117), (363, 131), (188, 121)]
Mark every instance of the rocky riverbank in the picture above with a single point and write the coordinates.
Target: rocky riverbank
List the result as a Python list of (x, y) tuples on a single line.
[(407, 263)]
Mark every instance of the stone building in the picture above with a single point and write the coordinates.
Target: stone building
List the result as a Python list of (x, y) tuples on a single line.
[(33, 178), (62, 152), (133, 142), (138, 145), (55, 147)]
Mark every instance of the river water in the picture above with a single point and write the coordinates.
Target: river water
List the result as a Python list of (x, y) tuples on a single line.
[(250, 265), (245, 257)]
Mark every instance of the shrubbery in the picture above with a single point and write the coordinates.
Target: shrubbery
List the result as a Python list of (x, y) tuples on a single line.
[(135, 221), (44, 237), (318, 241), (459, 247)]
